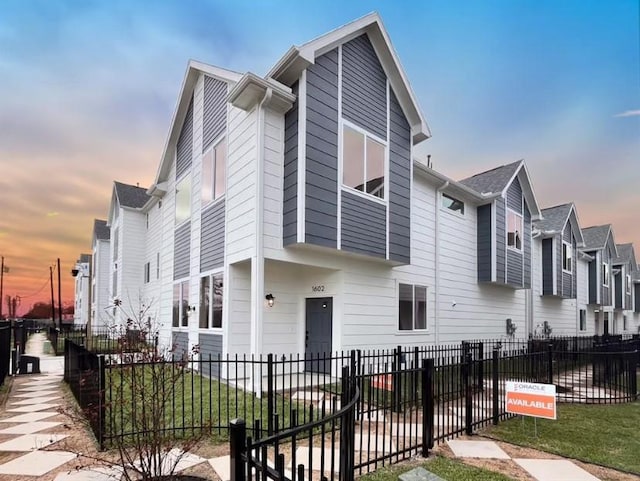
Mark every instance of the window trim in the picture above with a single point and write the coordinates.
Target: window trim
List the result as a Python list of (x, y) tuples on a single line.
[(209, 203), (514, 248), (449, 209), (628, 286), (605, 279), (181, 323), (346, 123), (211, 275), (175, 196), (147, 272), (569, 247), (426, 312)]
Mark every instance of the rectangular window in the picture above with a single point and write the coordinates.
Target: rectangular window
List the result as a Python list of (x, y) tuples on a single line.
[(452, 203), (181, 304), (605, 274), (213, 172), (412, 307), (566, 256), (624, 322), (363, 162), (628, 281), (147, 272), (514, 230), (583, 319), (211, 312), (183, 199), (157, 265), (116, 236)]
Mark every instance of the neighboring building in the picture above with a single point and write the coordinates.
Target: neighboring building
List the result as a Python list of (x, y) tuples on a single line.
[(127, 224), (622, 271), (82, 307), (556, 260), (600, 245), (100, 273)]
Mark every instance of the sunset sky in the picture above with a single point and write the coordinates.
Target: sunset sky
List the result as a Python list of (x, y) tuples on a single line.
[(87, 90)]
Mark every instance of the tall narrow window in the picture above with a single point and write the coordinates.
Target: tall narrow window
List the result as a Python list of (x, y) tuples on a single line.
[(412, 307), (205, 292), (180, 314), (216, 318), (116, 238), (147, 272), (157, 265), (185, 304), (176, 306), (363, 162), (605, 274), (628, 280), (566, 256), (213, 172), (583, 319), (183, 200), (514, 230)]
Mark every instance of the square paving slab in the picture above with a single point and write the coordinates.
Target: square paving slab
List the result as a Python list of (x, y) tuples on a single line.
[(30, 442), (34, 400), (29, 417), (30, 428), (186, 460), (31, 408), (477, 449), (33, 394), (36, 463), (222, 467), (43, 382), (38, 387), (554, 470), (302, 457)]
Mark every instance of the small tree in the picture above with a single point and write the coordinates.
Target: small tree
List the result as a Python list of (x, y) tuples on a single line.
[(142, 382)]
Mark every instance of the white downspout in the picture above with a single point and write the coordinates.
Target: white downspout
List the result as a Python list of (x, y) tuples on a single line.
[(257, 264), (436, 321)]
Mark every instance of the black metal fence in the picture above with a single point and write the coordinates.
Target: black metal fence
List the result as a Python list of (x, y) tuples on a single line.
[(5, 350), (100, 340)]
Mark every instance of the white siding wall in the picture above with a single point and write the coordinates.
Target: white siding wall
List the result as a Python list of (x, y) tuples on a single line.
[(153, 245), (561, 314), (238, 325), (167, 215), (273, 181), (102, 282), (131, 265)]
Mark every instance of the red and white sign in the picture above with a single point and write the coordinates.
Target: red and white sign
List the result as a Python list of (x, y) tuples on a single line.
[(382, 381), (531, 399)]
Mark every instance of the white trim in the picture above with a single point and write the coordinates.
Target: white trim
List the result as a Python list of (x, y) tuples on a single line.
[(340, 141), (569, 248), (413, 320), (210, 273), (221, 138), (458, 214), (302, 155), (175, 197), (506, 240), (494, 247), (364, 195), (353, 126), (608, 272)]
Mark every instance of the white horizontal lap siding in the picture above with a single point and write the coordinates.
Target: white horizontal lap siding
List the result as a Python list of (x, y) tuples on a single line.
[(153, 289), (241, 188), (239, 309), (132, 261), (282, 321), (103, 283), (167, 215), (468, 309), (273, 181)]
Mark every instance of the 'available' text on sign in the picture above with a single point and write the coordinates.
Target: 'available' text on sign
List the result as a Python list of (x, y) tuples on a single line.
[(531, 399)]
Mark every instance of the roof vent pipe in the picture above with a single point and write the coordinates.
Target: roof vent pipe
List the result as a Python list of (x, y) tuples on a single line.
[(429, 161)]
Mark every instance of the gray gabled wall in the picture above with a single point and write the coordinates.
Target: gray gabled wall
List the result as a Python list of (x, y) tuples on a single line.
[(364, 225), (214, 114), (181, 250), (290, 187), (526, 274), (321, 185), (184, 146), (212, 237)]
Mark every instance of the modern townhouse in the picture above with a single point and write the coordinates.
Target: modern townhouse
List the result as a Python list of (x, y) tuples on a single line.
[(600, 246), (623, 296), (82, 289), (100, 272), (560, 274)]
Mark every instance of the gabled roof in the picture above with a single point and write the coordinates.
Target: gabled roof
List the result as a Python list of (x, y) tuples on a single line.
[(84, 259), (596, 237), (194, 69), (130, 195), (498, 180), (100, 230), (287, 70), (555, 218), (626, 254)]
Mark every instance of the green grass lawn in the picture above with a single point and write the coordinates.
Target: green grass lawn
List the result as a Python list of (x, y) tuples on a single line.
[(602, 434), (449, 469)]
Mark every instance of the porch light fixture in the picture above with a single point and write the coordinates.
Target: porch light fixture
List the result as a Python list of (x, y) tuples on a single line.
[(270, 299)]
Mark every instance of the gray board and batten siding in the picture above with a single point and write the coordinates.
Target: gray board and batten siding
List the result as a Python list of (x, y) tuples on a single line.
[(184, 146), (181, 250), (515, 259), (526, 275), (290, 187), (210, 349), (212, 237), (321, 176), (214, 114)]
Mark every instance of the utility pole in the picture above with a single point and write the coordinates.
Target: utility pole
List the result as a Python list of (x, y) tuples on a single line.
[(59, 296), (53, 305)]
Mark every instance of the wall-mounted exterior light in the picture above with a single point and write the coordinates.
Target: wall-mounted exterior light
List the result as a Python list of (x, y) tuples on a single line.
[(270, 299)]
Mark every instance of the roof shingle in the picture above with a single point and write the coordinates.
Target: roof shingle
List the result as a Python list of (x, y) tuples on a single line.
[(131, 195), (494, 180), (554, 218), (100, 229), (596, 237)]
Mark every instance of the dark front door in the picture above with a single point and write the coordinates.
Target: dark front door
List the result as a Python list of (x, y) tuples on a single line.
[(319, 316)]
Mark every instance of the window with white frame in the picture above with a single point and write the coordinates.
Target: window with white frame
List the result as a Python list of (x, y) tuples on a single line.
[(181, 304), (628, 280), (514, 230), (147, 272), (583, 319), (363, 162), (116, 237), (567, 254), (211, 301), (451, 203), (624, 322), (157, 265), (605, 274), (214, 163), (412, 307), (183, 199)]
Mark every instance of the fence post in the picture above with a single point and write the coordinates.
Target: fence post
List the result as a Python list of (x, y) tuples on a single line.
[(468, 398), (415, 379), (347, 431), (481, 366), (633, 379), (101, 400), (270, 394), (397, 379), (550, 363), (427, 406), (495, 366), (238, 448), (66, 360)]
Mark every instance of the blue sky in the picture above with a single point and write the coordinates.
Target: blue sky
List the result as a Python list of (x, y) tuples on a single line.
[(87, 91)]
